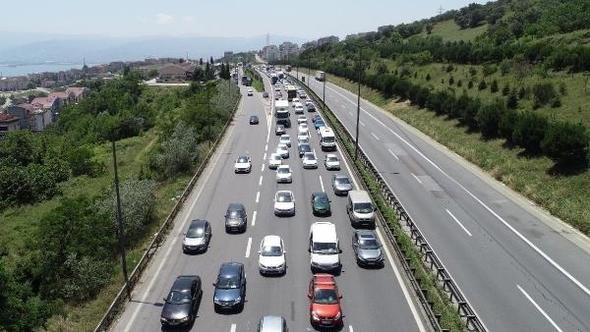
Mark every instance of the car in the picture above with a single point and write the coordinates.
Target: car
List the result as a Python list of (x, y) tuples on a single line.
[(298, 108), (236, 218), (324, 298), (310, 106), (284, 203), (243, 164), (295, 100), (271, 256), (280, 129), (284, 174), (285, 139), (332, 162), (302, 95), (253, 119), (316, 117), (196, 238), (301, 119), (275, 160), (272, 324), (277, 88), (309, 160), (181, 303), (302, 129), (278, 96), (230, 287), (250, 92), (265, 94), (303, 148), (320, 204), (341, 184), (319, 124), (302, 139), (367, 249), (283, 151)]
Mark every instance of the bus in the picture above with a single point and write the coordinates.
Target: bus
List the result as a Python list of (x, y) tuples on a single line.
[(320, 75), (291, 92)]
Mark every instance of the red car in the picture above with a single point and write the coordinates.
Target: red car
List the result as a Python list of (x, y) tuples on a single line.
[(324, 306)]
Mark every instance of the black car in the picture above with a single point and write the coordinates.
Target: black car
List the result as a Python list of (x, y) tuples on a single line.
[(230, 287), (197, 236), (303, 148), (181, 304), (320, 204), (253, 120), (310, 107), (236, 218), (367, 248)]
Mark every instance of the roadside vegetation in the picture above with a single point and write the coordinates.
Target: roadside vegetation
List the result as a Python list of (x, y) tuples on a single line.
[(506, 85), (59, 268), (257, 83)]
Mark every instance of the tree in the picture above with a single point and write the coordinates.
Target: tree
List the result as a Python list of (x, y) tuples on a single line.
[(211, 60), (512, 101), (567, 145), (530, 131), (488, 118), (200, 61), (543, 93), (506, 89), (470, 84), (429, 28), (494, 86), (428, 78), (482, 85), (451, 80)]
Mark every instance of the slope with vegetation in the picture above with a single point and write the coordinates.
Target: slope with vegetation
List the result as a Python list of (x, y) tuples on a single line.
[(509, 77), (58, 246)]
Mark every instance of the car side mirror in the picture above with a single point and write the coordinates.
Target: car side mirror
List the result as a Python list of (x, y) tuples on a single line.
[(309, 295), (259, 251), (308, 249), (214, 284), (164, 299), (339, 296), (339, 251)]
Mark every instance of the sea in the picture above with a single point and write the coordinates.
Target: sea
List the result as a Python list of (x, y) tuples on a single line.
[(8, 70)]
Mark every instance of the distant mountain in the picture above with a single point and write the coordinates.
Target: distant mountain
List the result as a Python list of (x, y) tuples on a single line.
[(25, 48)]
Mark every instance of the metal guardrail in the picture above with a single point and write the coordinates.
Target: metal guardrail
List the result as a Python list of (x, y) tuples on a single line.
[(120, 300), (429, 258)]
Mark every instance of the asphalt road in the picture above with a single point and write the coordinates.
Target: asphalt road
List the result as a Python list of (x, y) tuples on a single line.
[(373, 300), (521, 269)]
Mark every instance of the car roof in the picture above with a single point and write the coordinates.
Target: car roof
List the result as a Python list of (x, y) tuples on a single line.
[(331, 155), (319, 194), (285, 135), (271, 323), (357, 196), (230, 268), (236, 206), (183, 283), (340, 176), (283, 166), (307, 154), (285, 192), (324, 231), (366, 233), (272, 240), (198, 223)]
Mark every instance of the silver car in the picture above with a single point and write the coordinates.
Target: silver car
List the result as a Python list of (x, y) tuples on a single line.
[(341, 184), (284, 174), (272, 324), (367, 248)]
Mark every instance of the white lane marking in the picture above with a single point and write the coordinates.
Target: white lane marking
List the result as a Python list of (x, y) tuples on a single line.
[(350, 329), (322, 183), (172, 245), (417, 179), (232, 328), (375, 136), (248, 247), (254, 218), (262, 168), (257, 197), (260, 180), (350, 113), (264, 156), (356, 185), (362, 123), (458, 222), (393, 154), (266, 148), (539, 308)]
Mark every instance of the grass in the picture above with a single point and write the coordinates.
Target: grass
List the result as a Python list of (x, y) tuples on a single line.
[(565, 197), (450, 31)]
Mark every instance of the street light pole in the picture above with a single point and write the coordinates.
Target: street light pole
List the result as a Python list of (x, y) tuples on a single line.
[(120, 233), (358, 110)]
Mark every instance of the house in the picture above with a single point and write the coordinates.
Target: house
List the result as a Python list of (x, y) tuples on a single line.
[(8, 123), (176, 72), (39, 119), (77, 93), (22, 112)]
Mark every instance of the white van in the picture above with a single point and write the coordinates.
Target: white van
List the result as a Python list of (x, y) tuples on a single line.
[(324, 247), (360, 209), (327, 139)]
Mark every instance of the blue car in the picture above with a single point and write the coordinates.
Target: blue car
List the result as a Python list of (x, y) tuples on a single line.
[(319, 123), (230, 287)]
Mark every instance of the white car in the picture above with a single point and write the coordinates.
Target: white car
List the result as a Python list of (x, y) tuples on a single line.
[(309, 160), (285, 139), (243, 164), (301, 119), (283, 151), (302, 139), (275, 160), (250, 92), (284, 203), (295, 100), (332, 162), (271, 256), (284, 174), (277, 88), (303, 129), (299, 108)]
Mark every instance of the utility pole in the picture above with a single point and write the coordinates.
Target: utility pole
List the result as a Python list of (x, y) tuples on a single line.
[(324, 91), (120, 232), (358, 109)]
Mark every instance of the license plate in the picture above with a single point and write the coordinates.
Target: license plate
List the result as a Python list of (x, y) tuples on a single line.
[(326, 322)]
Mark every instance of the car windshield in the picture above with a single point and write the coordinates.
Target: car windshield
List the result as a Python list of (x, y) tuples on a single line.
[(271, 251), (363, 207), (283, 170), (321, 199), (284, 138), (325, 296), (332, 159), (242, 159), (325, 248), (305, 148), (175, 297), (309, 156), (228, 282), (342, 181), (275, 157), (195, 232), (328, 139), (368, 244), (284, 197), (235, 214)]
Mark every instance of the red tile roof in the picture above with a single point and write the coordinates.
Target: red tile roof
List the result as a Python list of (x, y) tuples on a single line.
[(5, 117)]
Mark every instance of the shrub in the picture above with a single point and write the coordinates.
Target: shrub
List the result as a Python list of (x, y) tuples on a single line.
[(428, 78), (512, 101), (567, 145), (482, 85), (459, 83), (494, 86), (507, 123), (529, 131), (506, 90), (451, 80), (176, 154), (470, 85), (543, 93), (488, 118)]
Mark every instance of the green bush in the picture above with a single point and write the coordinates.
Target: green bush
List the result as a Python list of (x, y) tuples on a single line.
[(543, 93), (482, 85), (176, 154), (530, 131), (567, 145), (507, 124), (488, 118)]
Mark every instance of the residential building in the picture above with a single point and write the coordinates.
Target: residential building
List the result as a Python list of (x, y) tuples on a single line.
[(270, 53), (8, 123), (328, 40), (22, 113), (288, 50), (309, 45), (176, 72)]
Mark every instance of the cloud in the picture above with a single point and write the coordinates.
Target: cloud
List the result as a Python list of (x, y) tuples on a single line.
[(163, 18), (188, 19)]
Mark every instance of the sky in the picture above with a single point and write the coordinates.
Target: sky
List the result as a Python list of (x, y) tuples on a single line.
[(307, 19)]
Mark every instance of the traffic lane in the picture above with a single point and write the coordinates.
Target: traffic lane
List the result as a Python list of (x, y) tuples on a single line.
[(221, 249), (552, 291)]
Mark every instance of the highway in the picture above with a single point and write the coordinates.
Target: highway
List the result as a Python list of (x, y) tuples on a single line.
[(373, 299), (521, 269)]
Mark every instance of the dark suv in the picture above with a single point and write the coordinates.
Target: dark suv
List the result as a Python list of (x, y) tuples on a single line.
[(230, 287), (181, 304), (236, 218)]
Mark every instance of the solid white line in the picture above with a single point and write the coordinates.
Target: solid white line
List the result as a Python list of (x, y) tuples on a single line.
[(539, 308), (254, 218), (248, 247), (376, 137), (417, 179), (257, 197), (262, 168), (350, 329), (393, 154), (458, 222), (232, 328), (172, 245), (260, 180), (322, 183), (264, 156)]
